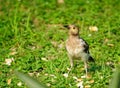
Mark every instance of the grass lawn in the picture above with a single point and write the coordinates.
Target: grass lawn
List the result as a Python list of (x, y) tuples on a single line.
[(32, 40)]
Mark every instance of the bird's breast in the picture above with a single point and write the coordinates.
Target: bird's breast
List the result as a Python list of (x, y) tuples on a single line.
[(75, 51)]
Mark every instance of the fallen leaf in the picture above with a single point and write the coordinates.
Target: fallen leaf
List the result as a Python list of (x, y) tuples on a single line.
[(84, 76), (44, 59), (32, 47), (37, 74), (93, 28), (54, 43), (106, 40), (60, 1), (80, 79), (9, 81), (109, 63), (91, 81), (74, 77), (9, 61), (48, 84), (31, 73), (87, 86), (65, 75), (19, 84), (53, 76), (61, 45), (69, 69), (88, 76), (80, 84), (13, 53), (110, 45), (46, 74)]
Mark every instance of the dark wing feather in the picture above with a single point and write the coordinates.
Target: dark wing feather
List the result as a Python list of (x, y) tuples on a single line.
[(86, 46), (86, 50)]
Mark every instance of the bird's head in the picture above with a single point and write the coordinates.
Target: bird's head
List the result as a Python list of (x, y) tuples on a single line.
[(73, 30)]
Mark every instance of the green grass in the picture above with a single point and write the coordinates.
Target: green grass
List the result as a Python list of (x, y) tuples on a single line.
[(33, 30)]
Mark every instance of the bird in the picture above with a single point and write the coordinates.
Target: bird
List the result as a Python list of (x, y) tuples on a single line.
[(77, 48)]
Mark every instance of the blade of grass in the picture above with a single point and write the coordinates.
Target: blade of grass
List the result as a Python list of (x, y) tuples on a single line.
[(31, 82), (115, 82)]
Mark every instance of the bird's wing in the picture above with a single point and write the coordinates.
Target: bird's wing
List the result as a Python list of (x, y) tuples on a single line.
[(86, 50), (85, 45)]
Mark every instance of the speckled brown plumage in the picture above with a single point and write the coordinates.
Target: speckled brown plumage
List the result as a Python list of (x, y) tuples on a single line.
[(76, 47)]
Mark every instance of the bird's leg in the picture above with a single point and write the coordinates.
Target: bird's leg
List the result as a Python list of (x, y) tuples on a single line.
[(85, 66), (71, 63)]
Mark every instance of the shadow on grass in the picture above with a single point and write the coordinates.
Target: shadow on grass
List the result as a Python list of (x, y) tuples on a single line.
[(94, 67)]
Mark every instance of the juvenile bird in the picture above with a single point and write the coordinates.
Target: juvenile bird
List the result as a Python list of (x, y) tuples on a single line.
[(76, 47)]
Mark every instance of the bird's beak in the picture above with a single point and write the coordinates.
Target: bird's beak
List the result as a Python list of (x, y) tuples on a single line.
[(66, 26)]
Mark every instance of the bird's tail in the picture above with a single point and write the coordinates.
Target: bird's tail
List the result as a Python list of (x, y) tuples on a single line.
[(90, 59)]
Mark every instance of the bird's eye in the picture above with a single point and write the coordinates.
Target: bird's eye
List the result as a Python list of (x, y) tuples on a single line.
[(73, 27)]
